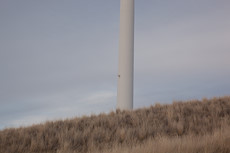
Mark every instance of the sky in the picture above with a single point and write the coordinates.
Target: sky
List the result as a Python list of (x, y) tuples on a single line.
[(59, 59)]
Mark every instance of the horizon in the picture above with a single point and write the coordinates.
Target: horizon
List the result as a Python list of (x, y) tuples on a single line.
[(60, 59)]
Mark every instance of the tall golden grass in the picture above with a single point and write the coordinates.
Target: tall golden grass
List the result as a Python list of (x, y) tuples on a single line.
[(191, 127), (217, 142)]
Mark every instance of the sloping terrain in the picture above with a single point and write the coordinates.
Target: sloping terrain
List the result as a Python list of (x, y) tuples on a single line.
[(178, 125)]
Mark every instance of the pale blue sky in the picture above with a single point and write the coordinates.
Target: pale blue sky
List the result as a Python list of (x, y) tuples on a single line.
[(59, 59)]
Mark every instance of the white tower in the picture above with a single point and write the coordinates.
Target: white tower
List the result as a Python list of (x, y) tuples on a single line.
[(126, 56)]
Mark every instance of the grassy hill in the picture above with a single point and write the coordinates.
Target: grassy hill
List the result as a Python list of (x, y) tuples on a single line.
[(181, 127)]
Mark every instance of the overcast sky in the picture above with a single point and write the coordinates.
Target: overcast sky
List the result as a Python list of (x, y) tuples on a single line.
[(59, 59)]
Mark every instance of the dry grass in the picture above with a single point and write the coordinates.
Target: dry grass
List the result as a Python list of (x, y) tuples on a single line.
[(180, 127), (217, 142)]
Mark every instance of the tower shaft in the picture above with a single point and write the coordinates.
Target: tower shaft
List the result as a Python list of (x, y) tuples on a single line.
[(126, 56)]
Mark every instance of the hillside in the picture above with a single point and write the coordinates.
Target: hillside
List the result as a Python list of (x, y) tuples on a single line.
[(192, 126)]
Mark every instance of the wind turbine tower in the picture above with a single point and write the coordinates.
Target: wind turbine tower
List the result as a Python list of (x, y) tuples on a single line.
[(126, 56)]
